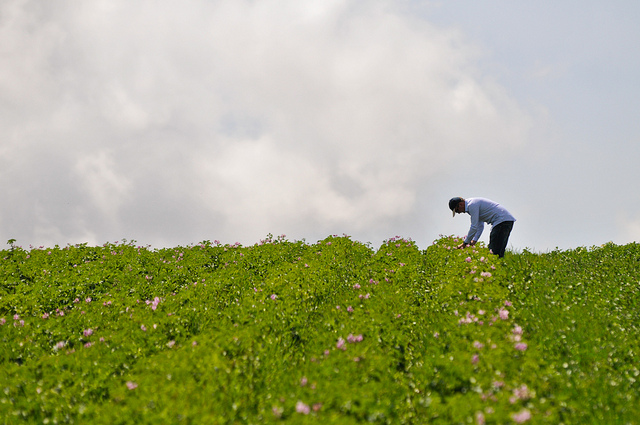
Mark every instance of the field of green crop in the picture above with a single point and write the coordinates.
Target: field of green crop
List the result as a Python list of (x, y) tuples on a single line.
[(335, 332)]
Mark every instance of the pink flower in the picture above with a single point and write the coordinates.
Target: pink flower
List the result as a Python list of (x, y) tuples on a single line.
[(132, 385), (521, 417), (303, 381), (508, 304), (480, 418), (517, 330), (143, 328), (88, 300), (16, 317), (340, 345), (522, 392), (302, 408), (45, 316), (170, 344), (468, 259), (475, 359), (155, 303), (521, 346), (350, 309), (353, 339), (464, 320), (3, 321), (478, 345), (356, 286), (274, 296), (88, 332), (504, 314), (277, 411), (469, 318)]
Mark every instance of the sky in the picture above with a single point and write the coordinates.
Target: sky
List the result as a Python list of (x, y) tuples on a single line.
[(170, 123)]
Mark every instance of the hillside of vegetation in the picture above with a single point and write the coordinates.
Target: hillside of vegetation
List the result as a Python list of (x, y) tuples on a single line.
[(331, 332)]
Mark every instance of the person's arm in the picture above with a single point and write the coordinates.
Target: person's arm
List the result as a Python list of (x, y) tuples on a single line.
[(477, 226)]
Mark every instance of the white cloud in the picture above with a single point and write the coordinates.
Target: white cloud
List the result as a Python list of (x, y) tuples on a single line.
[(310, 115), (105, 187)]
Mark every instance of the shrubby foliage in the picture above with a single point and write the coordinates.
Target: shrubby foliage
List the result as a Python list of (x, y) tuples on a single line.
[(331, 332)]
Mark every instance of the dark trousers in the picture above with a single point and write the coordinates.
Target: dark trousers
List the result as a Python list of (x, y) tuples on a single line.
[(499, 237)]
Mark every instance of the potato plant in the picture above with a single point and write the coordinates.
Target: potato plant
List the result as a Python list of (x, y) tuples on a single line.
[(330, 332)]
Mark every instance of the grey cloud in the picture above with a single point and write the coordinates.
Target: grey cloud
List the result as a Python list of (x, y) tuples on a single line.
[(177, 122)]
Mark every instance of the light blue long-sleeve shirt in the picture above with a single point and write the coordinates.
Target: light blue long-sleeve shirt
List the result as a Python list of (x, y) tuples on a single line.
[(482, 211)]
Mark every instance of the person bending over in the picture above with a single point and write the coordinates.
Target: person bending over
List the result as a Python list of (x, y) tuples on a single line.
[(482, 211)]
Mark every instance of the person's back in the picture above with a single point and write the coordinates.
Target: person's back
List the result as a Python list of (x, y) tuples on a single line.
[(489, 211)]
